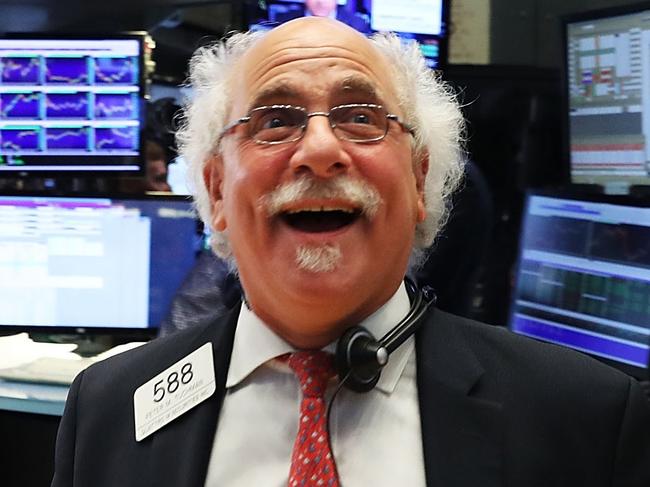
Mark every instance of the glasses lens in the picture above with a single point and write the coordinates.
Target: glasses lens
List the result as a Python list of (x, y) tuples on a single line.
[(277, 123), (359, 122)]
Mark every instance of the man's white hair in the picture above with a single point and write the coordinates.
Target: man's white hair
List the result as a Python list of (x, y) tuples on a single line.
[(428, 104)]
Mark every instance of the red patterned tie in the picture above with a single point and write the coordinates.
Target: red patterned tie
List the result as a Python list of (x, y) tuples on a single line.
[(312, 463)]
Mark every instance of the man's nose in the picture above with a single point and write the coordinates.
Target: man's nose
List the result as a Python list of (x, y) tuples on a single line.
[(320, 152)]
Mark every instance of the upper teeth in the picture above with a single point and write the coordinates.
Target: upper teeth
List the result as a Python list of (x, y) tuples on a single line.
[(320, 208)]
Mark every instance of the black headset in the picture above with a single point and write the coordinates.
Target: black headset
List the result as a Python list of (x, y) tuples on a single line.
[(360, 357)]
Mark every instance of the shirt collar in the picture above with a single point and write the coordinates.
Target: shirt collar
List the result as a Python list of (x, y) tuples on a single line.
[(255, 343)]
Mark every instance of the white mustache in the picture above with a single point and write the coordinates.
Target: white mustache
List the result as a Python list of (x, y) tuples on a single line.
[(358, 193)]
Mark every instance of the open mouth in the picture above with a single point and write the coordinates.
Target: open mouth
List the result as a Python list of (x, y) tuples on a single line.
[(318, 220)]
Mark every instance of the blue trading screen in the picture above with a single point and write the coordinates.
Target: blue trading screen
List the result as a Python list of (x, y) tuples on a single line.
[(93, 262), (584, 278), (70, 105)]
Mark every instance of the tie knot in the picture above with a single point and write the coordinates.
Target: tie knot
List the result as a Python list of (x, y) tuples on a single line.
[(313, 369)]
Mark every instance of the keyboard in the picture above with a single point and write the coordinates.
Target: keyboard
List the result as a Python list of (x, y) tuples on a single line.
[(49, 370)]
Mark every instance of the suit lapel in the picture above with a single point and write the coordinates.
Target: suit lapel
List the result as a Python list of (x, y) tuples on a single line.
[(180, 451), (461, 430)]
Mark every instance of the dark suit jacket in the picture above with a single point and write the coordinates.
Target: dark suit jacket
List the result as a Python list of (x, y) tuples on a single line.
[(497, 410)]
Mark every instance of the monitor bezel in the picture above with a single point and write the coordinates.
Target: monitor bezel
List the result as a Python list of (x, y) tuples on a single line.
[(565, 20), (131, 332), (569, 193), (110, 171)]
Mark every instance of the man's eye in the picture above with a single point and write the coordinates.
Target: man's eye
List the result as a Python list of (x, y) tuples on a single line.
[(278, 118), (274, 122), (360, 118)]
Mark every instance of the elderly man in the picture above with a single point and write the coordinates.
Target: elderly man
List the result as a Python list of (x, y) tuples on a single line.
[(321, 160)]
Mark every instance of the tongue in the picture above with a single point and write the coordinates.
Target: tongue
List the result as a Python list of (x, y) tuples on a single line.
[(319, 221)]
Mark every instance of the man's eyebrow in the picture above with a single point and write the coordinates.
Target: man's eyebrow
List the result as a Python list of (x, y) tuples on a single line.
[(280, 90), (358, 85)]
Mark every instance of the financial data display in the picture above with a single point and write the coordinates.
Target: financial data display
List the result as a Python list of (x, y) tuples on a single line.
[(70, 105), (583, 279), (93, 262), (608, 75)]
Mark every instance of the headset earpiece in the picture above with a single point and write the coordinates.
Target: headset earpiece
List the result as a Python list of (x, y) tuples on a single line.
[(359, 359), (360, 356)]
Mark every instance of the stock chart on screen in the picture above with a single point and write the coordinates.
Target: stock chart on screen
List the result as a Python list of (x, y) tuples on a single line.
[(583, 279), (70, 104), (607, 86)]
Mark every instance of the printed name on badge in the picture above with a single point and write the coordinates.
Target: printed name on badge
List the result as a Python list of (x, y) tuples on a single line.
[(174, 391)]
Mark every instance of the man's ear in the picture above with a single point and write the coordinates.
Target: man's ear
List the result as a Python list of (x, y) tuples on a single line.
[(213, 179), (420, 169)]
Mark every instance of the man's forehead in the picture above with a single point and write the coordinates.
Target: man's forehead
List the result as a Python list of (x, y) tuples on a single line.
[(316, 29), (266, 68), (354, 85)]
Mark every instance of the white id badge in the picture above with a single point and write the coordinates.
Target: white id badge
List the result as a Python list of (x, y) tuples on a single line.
[(174, 391)]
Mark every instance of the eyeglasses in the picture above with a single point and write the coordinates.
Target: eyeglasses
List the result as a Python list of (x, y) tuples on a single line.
[(280, 124)]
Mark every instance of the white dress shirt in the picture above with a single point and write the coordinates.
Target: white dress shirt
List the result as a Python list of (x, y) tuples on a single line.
[(376, 436)]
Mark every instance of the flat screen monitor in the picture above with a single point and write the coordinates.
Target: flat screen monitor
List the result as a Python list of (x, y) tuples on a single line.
[(70, 105), (608, 91), (93, 264), (583, 278), (422, 21)]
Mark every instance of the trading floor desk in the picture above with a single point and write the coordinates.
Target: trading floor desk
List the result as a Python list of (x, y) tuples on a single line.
[(29, 418), (23, 397), (30, 410)]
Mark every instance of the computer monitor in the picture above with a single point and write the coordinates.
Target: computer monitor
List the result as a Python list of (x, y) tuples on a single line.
[(608, 92), (583, 277), (93, 265), (422, 21), (71, 105)]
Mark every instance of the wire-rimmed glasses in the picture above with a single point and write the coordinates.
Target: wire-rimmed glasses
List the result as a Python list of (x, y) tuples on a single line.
[(354, 122)]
